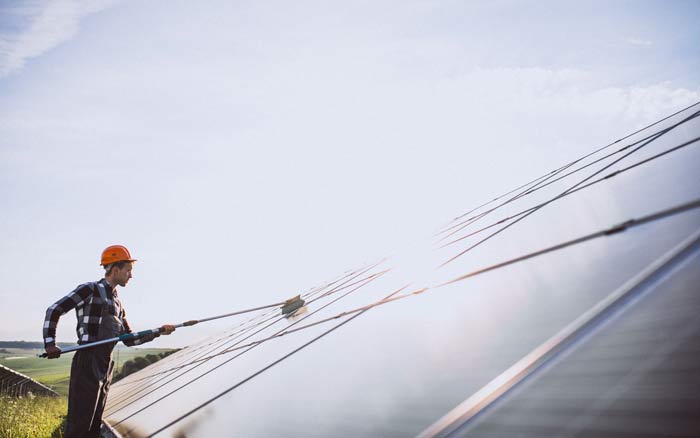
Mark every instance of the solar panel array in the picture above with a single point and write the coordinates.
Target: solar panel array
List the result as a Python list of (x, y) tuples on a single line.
[(14, 384), (390, 346)]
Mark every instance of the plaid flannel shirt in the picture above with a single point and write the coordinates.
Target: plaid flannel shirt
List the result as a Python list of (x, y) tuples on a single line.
[(88, 305)]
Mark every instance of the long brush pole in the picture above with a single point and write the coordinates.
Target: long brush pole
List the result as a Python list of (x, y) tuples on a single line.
[(189, 323)]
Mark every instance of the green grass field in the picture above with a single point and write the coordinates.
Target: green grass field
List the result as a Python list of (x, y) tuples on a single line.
[(55, 373), (39, 417), (32, 417)]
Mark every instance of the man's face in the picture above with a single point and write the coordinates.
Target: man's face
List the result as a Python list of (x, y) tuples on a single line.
[(123, 275)]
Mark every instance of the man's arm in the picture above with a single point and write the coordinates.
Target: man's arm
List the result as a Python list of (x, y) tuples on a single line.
[(58, 309)]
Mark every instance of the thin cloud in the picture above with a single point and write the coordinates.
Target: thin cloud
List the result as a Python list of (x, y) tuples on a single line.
[(638, 42), (40, 26)]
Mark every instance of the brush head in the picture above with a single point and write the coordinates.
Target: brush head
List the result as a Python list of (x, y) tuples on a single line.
[(291, 306)]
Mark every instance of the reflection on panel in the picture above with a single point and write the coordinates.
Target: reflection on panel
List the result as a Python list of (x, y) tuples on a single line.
[(388, 347)]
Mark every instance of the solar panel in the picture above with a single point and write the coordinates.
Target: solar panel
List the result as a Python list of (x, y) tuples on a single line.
[(631, 371), (388, 347)]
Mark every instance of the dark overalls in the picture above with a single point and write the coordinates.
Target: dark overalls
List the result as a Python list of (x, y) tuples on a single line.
[(91, 375)]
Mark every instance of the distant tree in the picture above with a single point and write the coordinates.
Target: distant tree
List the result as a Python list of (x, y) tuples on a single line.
[(140, 362)]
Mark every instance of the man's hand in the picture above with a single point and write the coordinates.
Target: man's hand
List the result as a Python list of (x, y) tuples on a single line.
[(167, 329), (52, 351)]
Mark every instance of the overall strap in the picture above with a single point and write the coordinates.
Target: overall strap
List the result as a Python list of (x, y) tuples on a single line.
[(113, 309), (103, 293)]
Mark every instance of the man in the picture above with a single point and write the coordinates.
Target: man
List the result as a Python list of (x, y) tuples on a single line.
[(100, 316)]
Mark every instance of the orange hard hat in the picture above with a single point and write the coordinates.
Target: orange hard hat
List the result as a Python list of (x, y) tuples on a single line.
[(114, 254)]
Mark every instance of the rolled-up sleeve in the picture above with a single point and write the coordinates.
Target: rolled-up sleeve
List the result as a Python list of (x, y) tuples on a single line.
[(138, 340)]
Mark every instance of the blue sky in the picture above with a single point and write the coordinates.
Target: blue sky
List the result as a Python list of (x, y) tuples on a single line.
[(245, 151)]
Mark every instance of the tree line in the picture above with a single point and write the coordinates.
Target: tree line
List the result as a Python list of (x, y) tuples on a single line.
[(139, 363), (32, 345)]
